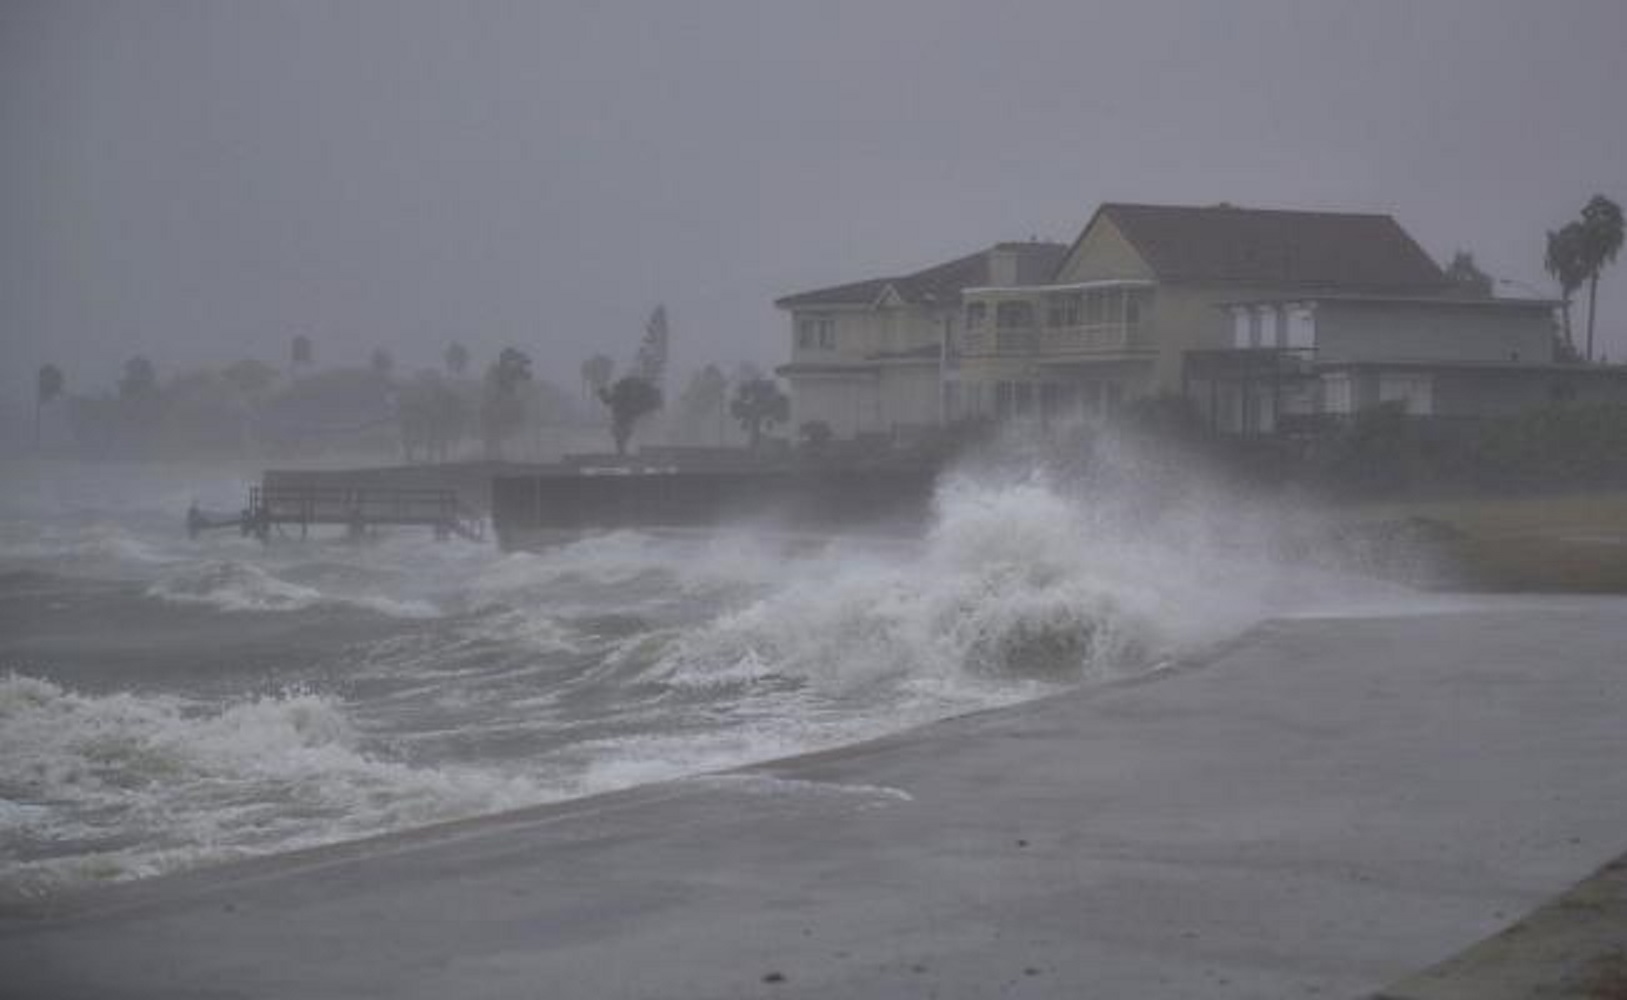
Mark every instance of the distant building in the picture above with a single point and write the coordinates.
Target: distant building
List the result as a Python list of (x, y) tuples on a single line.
[(1258, 317)]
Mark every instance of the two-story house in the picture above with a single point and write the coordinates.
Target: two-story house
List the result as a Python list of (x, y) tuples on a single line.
[(1255, 316), (1231, 307), (871, 357)]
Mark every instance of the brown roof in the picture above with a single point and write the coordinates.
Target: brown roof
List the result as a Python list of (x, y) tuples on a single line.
[(1036, 264), (1323, 250)]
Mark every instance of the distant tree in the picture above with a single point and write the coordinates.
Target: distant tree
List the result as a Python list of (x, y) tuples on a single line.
[(511, 370), (1601, 241), (457, 358), (597, 372), (1566, 261), (816, 438), (382, 363), (140, 379), (431, 417), (47, 386), (140, 405), (502, 410), (300, 352), (630, 400), (757, 404), (1467, 278), (651, 363), (706, 398), (249, 377)]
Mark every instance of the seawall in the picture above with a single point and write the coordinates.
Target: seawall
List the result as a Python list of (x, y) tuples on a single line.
[(536, 507)]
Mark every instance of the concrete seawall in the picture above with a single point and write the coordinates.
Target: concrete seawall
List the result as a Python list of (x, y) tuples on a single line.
[(1319, 809), (533, 508)]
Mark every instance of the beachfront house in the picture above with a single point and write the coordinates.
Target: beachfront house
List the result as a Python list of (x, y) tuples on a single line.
[(871, 357), (1259, 317)]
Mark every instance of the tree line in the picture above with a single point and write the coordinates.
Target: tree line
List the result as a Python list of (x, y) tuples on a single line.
[(252, 407)]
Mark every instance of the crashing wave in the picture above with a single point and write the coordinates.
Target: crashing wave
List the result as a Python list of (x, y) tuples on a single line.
[(240, 586)]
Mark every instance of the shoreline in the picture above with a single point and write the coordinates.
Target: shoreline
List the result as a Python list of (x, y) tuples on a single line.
[(1105, 838), (82, 898)]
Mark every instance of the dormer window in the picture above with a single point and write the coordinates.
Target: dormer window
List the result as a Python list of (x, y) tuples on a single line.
[(976, 315)]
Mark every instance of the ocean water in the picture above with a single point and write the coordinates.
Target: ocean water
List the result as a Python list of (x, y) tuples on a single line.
[(168, 703)]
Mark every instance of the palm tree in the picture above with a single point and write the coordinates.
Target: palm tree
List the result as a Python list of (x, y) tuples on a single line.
[(596, 372), (630, 399), (759, 403), (46, 388), (457, 358), (1466, 277), (1567, 262), (1601, 241), (501, 408), (140, 379)]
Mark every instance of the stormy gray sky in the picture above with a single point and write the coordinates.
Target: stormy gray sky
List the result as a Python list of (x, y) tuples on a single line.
[(201, 180)]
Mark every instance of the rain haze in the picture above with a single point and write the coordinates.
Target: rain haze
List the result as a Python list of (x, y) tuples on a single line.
[(701, 499), (201, 181)]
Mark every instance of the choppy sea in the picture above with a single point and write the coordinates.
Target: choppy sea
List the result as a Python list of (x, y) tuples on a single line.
[(168, 703)]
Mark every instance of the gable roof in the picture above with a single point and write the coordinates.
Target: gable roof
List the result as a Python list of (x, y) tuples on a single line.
[(1036, 264), (1324, 250)]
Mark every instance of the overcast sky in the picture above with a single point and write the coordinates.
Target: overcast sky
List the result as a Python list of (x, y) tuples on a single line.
[(200, 181)]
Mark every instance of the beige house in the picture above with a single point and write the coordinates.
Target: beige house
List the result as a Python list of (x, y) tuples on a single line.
[(871, 357), (1150, 299), (1256, 316)]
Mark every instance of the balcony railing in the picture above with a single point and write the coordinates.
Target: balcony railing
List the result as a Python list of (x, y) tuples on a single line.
[(1085, 338), (1113, 336)]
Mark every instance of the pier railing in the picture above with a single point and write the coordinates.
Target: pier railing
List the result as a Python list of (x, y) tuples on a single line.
[(357, 509)]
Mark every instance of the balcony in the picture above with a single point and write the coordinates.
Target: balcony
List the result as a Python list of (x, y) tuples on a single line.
[(1025, 341), (1091, 337)]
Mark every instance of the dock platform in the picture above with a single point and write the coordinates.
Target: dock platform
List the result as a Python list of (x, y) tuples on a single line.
[(280, 509)]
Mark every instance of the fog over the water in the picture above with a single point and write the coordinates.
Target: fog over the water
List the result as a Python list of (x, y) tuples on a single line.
[(198, 181)]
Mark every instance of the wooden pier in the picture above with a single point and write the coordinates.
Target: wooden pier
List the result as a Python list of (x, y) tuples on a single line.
[(281, 509)]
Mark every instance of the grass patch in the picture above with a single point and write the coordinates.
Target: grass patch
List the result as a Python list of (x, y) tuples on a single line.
[(1570, 543)]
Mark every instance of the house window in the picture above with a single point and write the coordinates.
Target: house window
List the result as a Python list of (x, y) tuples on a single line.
[(1011, 315), (1254, 328), (816, 332), (1414, 392), (1004, 396), (1093, 308), (1132, 308), (1336, 394), (976, 315), (1064, 310), (1025, 398), (1301, 327), (1113, 305), (1270, 326)]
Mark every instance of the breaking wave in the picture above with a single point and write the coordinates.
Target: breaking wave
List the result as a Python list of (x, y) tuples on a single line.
[(493, 681), (240, 586), (1012, 584), (124, 786)]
